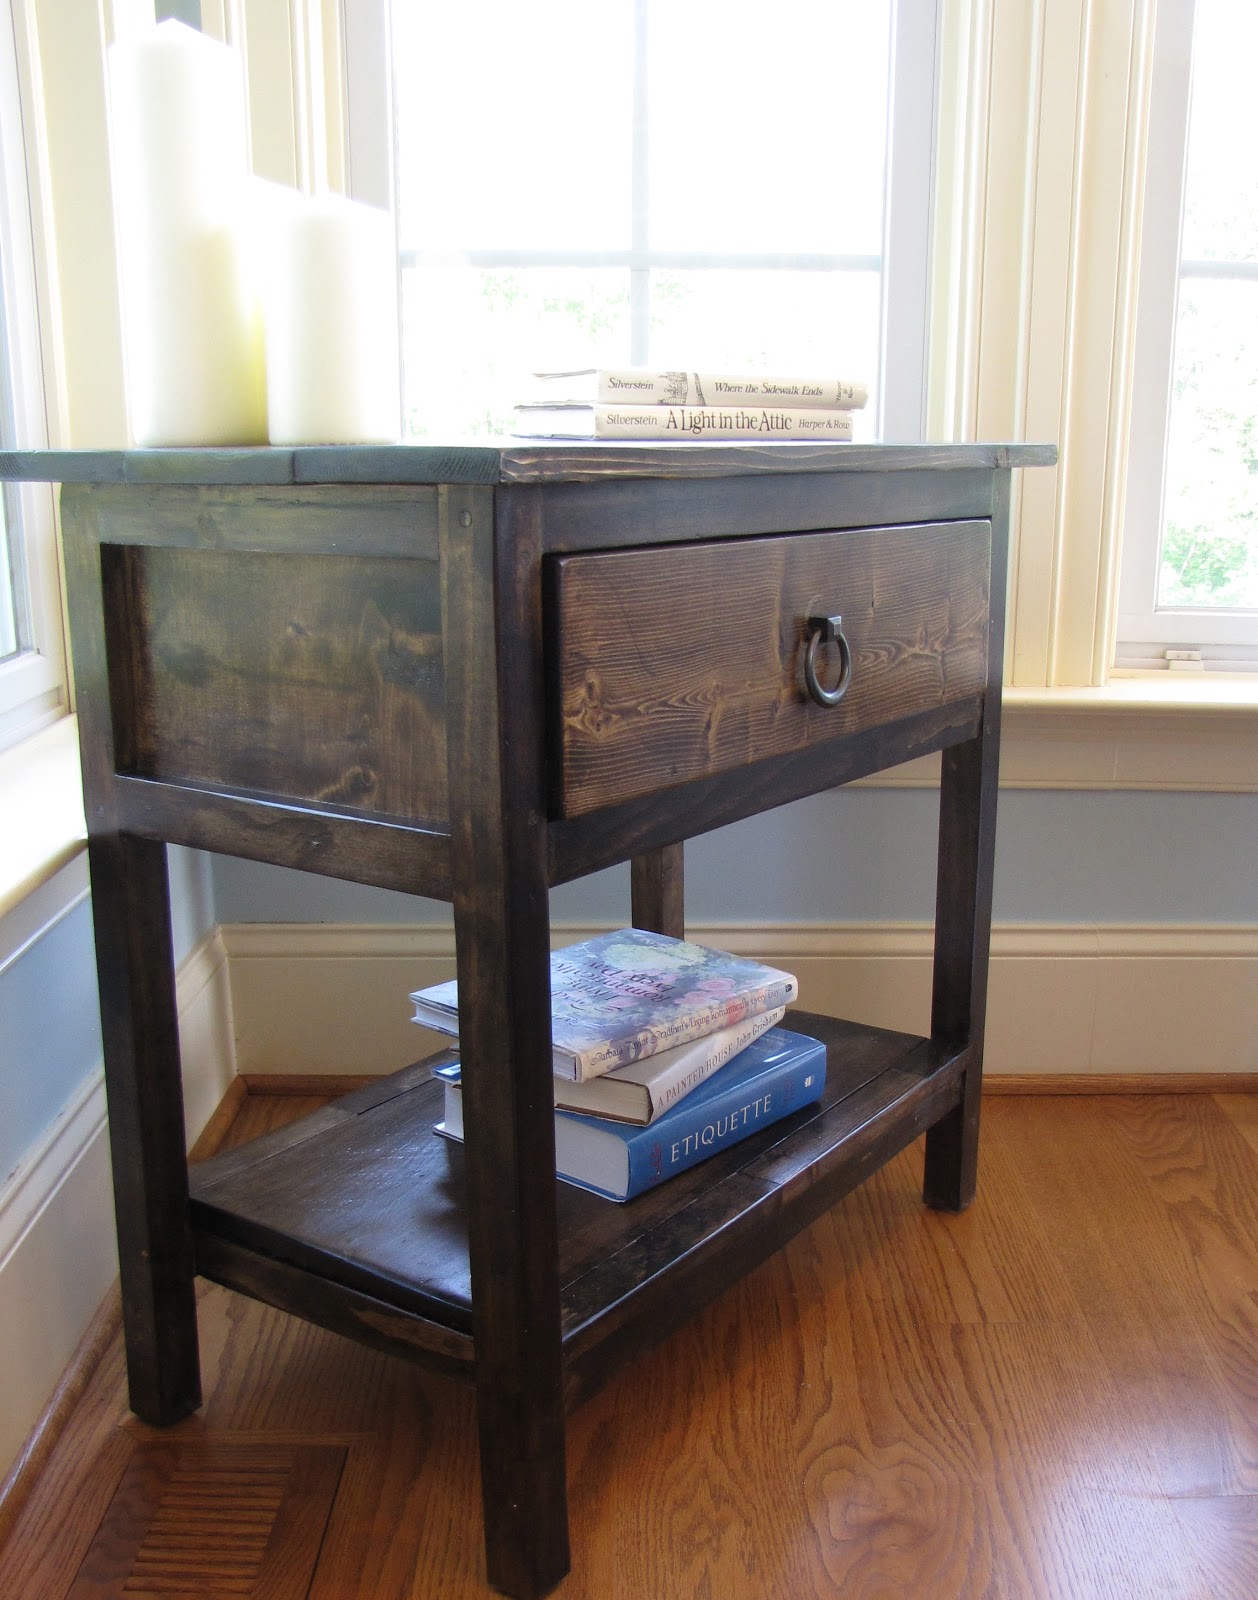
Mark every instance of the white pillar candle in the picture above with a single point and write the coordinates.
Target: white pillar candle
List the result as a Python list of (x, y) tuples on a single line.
[(332, 350), (192, 326)]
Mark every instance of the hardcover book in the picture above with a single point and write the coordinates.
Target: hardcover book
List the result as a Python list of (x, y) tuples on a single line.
[(638, 386), (777, 1074), (623, 996), (574, 420), (644, 1090)]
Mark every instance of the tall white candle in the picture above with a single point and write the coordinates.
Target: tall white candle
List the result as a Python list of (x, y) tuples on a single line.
[(332, 349), (192, 326)]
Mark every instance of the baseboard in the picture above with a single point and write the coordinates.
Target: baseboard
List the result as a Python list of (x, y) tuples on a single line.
[(207, 1050), (58, 1258), (25, 1470), (1065, 1002), (1120, 1083)]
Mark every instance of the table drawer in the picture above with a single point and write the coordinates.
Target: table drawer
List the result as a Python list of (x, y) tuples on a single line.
[(682, 661)]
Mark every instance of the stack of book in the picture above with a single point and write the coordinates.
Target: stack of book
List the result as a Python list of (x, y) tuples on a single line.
[(665, 1052), (632, 404)]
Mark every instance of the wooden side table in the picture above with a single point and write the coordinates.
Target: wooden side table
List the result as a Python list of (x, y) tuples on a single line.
[(470, 674)]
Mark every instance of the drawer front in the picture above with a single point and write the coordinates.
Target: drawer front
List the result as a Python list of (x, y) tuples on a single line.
[(684, 661)]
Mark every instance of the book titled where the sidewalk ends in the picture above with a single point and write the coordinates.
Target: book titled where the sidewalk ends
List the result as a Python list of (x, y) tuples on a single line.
[(777, 1074), (623, 996)]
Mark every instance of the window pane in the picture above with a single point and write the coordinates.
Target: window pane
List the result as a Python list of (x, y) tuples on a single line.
[(768, 130), (1210, 540), (772, 322), (471, 337), (514, 124), (517, 150), (1221, 187), (1209, 554)]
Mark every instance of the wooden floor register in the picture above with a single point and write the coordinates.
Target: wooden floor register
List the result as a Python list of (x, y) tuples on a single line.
[(470, 674)]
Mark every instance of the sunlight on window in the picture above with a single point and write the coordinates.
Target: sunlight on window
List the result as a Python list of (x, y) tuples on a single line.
[(8, 619), (690, 184), (1209, 554)]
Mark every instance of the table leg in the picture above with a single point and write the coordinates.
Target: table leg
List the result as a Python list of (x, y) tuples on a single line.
[(491, 624), (657, 891), (963, 904), (139, 1017), (962, 939), (143, 1085)]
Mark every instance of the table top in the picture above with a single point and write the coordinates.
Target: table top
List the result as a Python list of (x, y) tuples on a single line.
[(504, 461)]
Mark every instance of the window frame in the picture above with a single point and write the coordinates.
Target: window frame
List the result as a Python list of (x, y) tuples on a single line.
[(905, 260), (1227, 637), (33, 684)]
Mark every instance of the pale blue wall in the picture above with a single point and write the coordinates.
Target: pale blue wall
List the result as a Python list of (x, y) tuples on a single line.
[(49, 1016), (867, 855), (50, 1037)]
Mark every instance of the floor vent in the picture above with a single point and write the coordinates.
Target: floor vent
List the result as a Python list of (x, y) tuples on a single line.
[(213, 1522)]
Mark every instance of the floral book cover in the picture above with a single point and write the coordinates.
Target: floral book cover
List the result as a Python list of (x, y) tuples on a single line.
[(626, 995)]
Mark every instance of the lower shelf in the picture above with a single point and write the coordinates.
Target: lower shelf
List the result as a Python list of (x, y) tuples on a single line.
[(354, 1217)]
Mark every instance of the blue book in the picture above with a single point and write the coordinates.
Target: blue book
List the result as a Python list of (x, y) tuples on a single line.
[(776, 1075)]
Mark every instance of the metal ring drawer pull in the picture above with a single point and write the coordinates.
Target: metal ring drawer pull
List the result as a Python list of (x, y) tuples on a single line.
[(827, 630)]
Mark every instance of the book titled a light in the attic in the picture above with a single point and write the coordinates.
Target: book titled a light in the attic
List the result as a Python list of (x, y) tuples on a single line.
[(777, 1074), (623, 996)]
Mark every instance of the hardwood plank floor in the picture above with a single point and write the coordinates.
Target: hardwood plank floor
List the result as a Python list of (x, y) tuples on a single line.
[(1052, 1396)]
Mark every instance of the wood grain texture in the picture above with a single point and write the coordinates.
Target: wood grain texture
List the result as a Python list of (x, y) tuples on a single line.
[(139, 1018), (651, 693), (966, 858), (317, 521), (652, 511), (1039, 1397), (1230, 1084), (657, 891), (488, 464), (392, 1229), (544, 462), (278, 673), (53, 1420), (583, 844), (409, 857), (492, 623), (217, 1520), (306, 678)]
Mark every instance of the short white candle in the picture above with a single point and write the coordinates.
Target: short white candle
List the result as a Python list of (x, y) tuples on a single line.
[(332, 349), (192, 326)]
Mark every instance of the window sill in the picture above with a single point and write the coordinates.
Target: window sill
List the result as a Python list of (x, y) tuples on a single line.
[(1181, 733), (42, 826), (1144, 694)]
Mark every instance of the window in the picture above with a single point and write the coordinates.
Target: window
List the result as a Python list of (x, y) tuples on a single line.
[(32, 658), (691, 183), (1190, 561)]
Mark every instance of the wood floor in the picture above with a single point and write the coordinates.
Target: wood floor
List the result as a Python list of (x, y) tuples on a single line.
[(1052, 1396)]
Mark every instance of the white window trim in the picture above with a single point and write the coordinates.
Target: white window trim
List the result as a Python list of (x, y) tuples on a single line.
[(1040, 180), (1228, 639), (33, 690)]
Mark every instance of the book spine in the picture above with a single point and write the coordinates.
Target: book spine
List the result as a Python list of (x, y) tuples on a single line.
[(706, 1056), (602, 1058), (750, 421), (626, 387), (726, 1121)]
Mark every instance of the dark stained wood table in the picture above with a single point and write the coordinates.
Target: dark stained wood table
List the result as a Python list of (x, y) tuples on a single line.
[(469, 674)]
